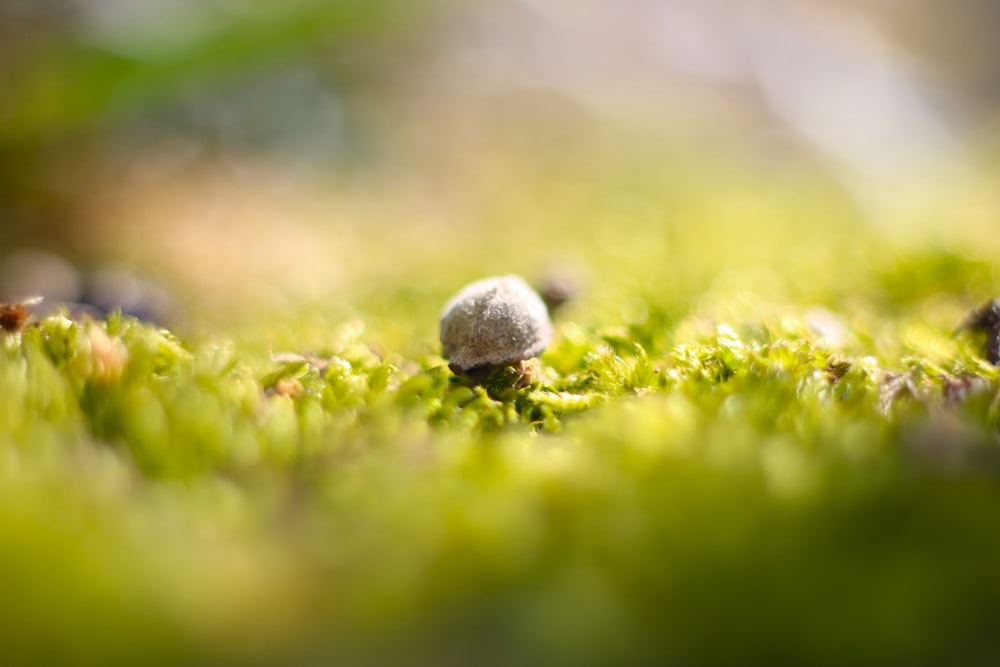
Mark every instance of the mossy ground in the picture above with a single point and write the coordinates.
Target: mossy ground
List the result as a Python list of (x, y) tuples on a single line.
[(755, 439)]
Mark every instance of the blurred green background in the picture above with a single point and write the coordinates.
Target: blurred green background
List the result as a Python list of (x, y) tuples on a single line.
[(767, 186), (246, 155)]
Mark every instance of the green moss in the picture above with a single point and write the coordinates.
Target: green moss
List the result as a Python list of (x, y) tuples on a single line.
[(748, 443), (737, 492)]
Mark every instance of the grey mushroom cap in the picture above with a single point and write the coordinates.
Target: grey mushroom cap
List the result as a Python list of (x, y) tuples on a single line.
[(494, 322)]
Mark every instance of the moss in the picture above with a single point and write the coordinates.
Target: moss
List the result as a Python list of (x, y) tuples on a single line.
[(748, 443), (740, 493)]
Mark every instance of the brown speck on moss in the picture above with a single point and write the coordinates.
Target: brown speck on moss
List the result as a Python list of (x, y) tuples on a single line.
[(14, 316), (837, 369), (287, 387)]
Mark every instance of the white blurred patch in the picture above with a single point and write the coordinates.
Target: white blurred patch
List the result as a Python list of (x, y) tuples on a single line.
[(832, 77)]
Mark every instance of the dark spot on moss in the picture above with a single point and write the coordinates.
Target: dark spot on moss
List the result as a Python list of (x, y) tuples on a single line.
[(837, 369), (13, 317), (986, 318)]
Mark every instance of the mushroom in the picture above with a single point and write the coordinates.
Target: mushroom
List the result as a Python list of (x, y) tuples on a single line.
[(494, 322)]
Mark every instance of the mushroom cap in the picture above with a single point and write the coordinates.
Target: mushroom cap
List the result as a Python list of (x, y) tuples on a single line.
[(494, 321)]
